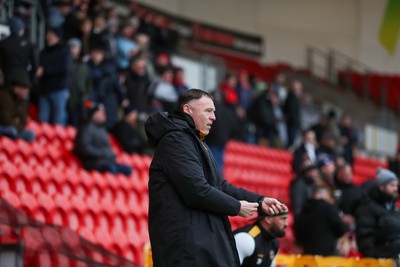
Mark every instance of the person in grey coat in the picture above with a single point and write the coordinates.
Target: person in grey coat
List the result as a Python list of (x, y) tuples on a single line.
[(92, 145), (189, 201)]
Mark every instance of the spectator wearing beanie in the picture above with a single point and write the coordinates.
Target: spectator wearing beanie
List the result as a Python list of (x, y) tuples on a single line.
[(378, 218), (54, 73), (92, 145), (14, 110), (17, 55)]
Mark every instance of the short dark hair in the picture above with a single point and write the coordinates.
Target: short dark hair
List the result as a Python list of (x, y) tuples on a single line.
[(190, 95)]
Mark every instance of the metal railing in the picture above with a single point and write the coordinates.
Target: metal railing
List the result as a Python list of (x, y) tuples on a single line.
[(327, 65)]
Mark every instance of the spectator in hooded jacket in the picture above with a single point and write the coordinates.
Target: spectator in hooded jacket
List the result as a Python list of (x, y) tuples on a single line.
[(14, 110), (92, 145), (318, 227), (17, 56), (378, 218), (54, 73)]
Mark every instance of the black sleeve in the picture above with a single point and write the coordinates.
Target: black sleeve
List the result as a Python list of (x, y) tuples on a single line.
[(183, 167), (336, 223), (239, 193), (366, 225), (297, 198), (62, 67), (297, 160)]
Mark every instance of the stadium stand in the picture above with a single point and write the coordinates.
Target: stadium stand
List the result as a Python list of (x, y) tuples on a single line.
[(67, 216)]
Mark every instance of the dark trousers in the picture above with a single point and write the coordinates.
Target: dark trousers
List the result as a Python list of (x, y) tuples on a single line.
[(116, 168), (12, 132)]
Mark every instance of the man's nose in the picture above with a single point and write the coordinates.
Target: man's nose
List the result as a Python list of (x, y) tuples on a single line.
[(212, 117)]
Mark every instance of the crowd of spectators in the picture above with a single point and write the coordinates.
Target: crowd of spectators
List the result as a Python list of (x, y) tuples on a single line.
[(93, 53), (332, 215)]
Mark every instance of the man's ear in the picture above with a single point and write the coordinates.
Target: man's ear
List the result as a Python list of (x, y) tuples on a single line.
[(186, 109), (268, 220)]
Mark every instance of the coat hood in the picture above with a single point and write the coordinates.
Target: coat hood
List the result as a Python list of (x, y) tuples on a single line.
[(161, 123)]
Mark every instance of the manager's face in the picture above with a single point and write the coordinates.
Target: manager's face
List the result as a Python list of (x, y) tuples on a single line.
[(203, 113)]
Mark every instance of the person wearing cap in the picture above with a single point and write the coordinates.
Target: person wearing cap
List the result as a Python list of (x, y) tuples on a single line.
[(257, 244), (54, 74), (92, 145), (14, 110), (302, 186), (378, 218), (17, 54), (327, 168), (127, 132), (80, 86), (319, 226)]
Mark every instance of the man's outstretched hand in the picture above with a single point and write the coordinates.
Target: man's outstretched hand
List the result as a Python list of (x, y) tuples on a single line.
[(271, 206)]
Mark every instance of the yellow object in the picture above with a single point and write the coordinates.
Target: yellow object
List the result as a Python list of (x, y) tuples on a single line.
[(334, 262), (255, 231), (386, 263), (366, 262), (148, 259), (282, 260), (306, 261)]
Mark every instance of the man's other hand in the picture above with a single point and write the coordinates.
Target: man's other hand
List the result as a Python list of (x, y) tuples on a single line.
[(247, 208)]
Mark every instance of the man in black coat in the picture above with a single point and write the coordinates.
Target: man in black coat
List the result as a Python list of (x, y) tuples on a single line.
[(92, 145), (54, 73), (189, 200), (292, 110), (17, 54), (378, 218), (319, 226), (258, 243)]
